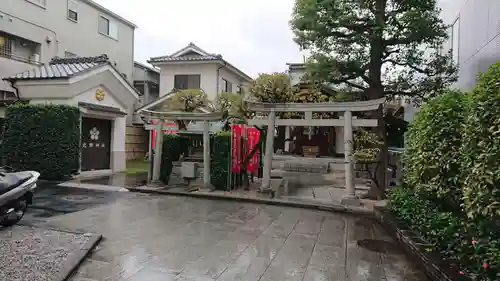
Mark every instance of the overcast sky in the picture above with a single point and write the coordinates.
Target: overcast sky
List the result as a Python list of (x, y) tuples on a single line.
[(253, 35)]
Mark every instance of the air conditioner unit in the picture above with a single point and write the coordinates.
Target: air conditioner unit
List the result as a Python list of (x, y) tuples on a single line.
[(35, 58)]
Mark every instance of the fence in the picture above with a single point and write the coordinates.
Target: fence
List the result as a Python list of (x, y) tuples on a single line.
[(136, 142)]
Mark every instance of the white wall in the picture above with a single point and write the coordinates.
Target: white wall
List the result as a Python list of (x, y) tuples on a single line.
[(208, 72), (224, 73), (89, 97)]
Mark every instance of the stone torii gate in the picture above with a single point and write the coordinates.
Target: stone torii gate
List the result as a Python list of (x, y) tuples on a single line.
[(206, 118), (348, 122)]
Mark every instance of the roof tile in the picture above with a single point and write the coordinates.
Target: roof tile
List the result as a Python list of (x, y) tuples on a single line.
[(61, 68)]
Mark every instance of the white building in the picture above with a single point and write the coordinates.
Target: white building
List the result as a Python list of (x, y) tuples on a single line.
[(32, 32), (193, 68), (104, 98)]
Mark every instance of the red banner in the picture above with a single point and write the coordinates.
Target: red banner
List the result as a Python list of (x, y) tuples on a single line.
[(253, 135), (236, 147)]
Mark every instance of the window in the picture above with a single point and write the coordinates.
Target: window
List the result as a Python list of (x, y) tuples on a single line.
[(5, 46), (226, 86), (183, 82), (73, 10), (238, 89), (108, 27), (42, 3), (69, 54)]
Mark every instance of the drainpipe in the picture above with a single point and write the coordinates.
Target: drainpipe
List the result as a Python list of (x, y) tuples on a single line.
[(39, 26), (218, 75)]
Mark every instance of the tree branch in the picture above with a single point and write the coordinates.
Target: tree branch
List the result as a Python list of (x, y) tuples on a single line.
[(420, 70)]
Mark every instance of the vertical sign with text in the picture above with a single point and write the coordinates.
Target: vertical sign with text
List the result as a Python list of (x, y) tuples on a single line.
[(236, 147), (253, 135)]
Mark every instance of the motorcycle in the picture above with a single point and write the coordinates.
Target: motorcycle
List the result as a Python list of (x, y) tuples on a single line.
[(16, 193)]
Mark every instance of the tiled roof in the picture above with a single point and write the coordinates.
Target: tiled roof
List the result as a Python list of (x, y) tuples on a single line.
[(104, 108), (61, 68), (185, 58)]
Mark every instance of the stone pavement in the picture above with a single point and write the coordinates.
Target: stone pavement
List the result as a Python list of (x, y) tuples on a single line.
[(160, 238), (52, 200)]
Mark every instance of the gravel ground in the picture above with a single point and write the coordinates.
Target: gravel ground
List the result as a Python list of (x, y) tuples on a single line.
[(36, 254)]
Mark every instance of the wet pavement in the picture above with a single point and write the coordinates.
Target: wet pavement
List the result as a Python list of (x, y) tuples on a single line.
[(160, 238), (123, 180), (51, 200)]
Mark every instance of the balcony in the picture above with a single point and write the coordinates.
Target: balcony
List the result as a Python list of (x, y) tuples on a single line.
[(19, 49)]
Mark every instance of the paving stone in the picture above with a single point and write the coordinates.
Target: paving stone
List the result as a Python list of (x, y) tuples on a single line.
[(182, 238)]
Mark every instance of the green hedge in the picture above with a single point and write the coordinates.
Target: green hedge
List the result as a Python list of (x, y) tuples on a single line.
[(171, 152), (220, 154), (432, 159), (481, 147), (44, 138), (451, 234), (452, 174)]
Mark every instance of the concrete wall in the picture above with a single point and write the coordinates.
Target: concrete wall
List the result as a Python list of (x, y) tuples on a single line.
[(477, 43), (27, 20)]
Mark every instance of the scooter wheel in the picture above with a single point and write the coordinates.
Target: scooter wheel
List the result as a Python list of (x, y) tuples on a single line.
[(12, 217)]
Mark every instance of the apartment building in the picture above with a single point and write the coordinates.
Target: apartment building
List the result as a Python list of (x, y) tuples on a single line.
[(474, 36), (32, 32)]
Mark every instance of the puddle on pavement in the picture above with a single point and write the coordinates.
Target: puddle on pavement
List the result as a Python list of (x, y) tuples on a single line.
[(380, 246), (120, 180), (76, 198)]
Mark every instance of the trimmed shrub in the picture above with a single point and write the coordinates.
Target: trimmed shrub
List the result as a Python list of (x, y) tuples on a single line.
[(472, 245), (481, 147), (171, 152), (432, 158), (44, 138), (221, 160)]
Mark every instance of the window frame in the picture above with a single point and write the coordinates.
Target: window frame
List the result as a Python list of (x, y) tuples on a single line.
[(186, 76), (35, 2), (110, 23), (69, 10)]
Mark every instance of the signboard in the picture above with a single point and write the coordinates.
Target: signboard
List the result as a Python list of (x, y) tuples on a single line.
[(236, 147), (253, 135)]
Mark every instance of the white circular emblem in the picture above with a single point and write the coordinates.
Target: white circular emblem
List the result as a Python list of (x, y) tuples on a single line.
[(94, 134)]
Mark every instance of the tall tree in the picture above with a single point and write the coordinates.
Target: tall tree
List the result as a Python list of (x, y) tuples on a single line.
[(381, 48)]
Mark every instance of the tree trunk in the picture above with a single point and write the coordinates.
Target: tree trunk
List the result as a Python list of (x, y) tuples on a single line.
[(280, 139), (376, 91)]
